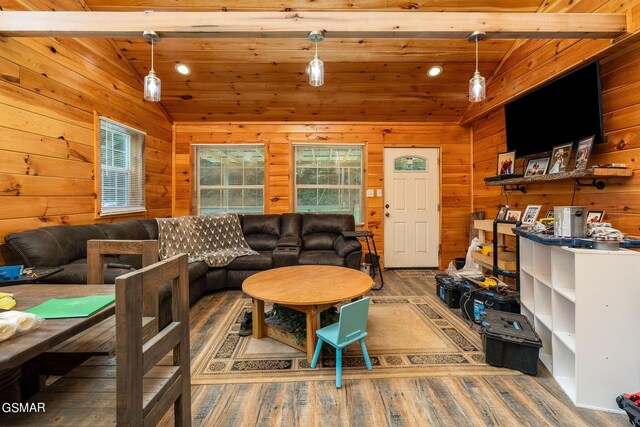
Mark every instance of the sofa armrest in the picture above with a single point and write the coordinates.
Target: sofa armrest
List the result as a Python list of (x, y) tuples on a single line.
[(344, 246), (289, 242)]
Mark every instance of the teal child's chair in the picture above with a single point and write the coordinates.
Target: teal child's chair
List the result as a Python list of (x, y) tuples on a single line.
[(351, 327)]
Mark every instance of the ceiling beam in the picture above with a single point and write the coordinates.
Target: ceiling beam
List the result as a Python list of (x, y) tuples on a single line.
[(441, 25)]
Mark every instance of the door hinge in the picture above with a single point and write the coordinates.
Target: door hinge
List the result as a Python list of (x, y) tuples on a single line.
[(438, 207), (438, 161)]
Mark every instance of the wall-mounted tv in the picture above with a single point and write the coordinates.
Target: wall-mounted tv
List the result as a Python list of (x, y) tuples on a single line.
[(567, 109)]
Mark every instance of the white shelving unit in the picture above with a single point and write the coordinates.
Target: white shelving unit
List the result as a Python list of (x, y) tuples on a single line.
[(583, 304)]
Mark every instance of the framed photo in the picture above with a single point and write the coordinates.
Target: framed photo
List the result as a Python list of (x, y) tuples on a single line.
[(594, 216), (513, 215), (506, 163), (583, 153), (502, 212), (531, 214), (537, 166), (560, 158), (550, 213)]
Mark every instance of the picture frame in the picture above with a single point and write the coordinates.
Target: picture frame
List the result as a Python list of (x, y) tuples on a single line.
[(502, 212), (550, 213), (537, 166), (594, 216), (560, 158), (531, 214), (506, 163), (513, 215), (583, 152)]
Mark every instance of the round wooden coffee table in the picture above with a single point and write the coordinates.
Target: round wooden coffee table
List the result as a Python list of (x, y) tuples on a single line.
[(310, 289)]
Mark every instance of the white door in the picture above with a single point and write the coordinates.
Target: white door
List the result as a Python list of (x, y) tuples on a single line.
[(411, 207)]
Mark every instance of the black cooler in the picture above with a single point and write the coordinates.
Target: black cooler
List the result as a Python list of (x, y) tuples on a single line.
[(509, 341)]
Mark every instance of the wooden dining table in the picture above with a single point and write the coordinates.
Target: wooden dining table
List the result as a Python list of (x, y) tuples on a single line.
[(16, 352)]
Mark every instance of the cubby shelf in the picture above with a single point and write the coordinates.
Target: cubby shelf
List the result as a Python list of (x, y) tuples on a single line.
[(575, 298)]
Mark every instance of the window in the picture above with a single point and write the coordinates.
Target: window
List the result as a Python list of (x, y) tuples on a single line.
[(121, 169), (230, 178), (329, 179)]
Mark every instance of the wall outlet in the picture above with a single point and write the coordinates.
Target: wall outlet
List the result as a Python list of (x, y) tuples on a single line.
[(379, 192), (370, 192)]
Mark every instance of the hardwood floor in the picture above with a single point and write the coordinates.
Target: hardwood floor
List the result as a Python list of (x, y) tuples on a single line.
[(437, 401)]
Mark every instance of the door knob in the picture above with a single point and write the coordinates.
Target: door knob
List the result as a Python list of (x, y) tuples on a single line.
[(387, 214), (387, 206)]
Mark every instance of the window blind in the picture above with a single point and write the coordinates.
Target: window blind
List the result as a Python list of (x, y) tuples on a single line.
[(121, 168)]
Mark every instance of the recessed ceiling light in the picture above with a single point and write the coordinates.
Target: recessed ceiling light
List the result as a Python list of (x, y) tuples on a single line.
[(183, 69), (434, 71)]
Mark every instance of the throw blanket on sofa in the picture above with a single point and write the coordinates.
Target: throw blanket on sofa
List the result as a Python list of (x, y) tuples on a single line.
[(217, 240)]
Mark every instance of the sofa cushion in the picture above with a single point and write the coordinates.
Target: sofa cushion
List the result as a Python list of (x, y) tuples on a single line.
[(261, 231), (52, 246), (197, 269), (152, 227), (126, 230), (292, 225), (76, 273), (320, 258), (320, 231), (262, 261)]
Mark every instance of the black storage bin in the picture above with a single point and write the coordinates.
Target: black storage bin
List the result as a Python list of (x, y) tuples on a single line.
[(475, 302), (509, 341), (449, 293)]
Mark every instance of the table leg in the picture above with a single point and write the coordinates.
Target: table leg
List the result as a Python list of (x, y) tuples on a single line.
[(313, 324), (258, 318)]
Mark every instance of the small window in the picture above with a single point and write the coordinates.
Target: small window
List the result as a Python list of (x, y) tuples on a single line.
[(230, 179), (410, 164), (329, 179), (121, 169)]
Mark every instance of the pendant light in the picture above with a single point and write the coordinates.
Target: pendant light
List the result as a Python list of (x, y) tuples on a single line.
[(477, 85), (151, 81), (315, 69)]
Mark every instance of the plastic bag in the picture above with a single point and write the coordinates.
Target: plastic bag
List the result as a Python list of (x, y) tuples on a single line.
[(470, 269), (14, 323)]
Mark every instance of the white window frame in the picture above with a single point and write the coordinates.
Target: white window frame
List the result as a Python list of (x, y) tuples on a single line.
[(199, 187), (359, 221), (115, 208)]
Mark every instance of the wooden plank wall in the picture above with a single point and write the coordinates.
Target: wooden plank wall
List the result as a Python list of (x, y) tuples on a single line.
[(621, 109), (49, 91), (453, 141)]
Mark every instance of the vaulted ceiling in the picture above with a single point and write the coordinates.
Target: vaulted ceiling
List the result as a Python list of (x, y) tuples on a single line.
[(365, 79)]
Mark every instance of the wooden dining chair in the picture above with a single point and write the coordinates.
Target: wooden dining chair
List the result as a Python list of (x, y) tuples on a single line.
[(98, 249), (148, 377)]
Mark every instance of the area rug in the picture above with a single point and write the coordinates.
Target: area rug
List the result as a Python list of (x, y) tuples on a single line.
[(415, 273), (408, 337)]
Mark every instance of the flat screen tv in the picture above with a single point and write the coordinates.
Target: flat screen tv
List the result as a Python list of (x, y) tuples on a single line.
[(565, 110)]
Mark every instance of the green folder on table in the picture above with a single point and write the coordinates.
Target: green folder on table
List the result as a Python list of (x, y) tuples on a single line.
[(72, 307)]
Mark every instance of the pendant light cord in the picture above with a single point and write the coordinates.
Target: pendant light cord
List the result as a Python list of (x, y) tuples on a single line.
[(316, 50), (152, 55), (476, 54)]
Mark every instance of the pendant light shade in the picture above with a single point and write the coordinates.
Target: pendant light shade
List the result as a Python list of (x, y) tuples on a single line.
[(315, 69), (477, 84), (152, 84), (477, 88)]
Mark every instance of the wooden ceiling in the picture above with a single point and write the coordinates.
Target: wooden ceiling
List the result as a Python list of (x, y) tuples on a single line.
[(365, 79)]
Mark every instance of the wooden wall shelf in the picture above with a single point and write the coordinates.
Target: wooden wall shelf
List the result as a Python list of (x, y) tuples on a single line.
[(594, 174)]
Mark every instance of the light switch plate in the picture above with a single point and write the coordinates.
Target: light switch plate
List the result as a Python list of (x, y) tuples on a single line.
[(370, 192), (379, 192)]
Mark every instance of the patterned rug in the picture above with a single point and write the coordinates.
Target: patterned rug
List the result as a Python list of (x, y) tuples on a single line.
[(415, 273), (408, 337)]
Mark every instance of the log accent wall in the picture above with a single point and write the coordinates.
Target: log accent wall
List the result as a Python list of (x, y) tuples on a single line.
[(621, 109), (50, 90), (453, 141)]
